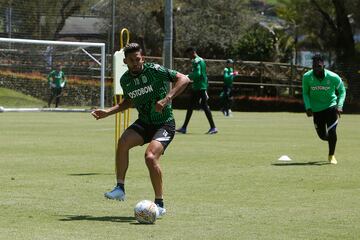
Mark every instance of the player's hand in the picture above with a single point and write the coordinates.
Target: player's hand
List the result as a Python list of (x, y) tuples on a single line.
[(162, 103), (99, 113), (309, 112), (339, 111)]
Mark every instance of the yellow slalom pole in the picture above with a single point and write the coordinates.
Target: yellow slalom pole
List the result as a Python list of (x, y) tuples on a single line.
[(122, 120)]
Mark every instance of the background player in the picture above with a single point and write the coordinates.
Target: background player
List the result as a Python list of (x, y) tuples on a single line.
[(199, 91), (324, 95), (56, 81)]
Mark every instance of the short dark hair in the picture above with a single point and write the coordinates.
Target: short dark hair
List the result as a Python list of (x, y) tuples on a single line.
[(318, 57), (132, 47), (229, 60), (190, 49)]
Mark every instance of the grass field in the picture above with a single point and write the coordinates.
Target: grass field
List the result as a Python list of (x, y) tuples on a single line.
[(55, 167), (10, 98)]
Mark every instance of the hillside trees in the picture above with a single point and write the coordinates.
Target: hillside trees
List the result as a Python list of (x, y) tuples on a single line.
[(39, 19)]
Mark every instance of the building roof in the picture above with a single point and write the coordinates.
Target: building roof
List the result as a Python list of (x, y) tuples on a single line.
[(76, 26)]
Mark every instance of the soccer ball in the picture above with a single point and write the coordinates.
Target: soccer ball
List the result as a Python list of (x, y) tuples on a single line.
[(146, 211)]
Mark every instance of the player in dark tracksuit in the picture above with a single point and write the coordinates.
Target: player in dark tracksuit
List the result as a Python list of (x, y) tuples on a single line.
[(324, 95), (199, 91)]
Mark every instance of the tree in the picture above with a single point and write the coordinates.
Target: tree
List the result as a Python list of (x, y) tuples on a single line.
[(42, 19), (256, 45), (328, 27), (213, 27)]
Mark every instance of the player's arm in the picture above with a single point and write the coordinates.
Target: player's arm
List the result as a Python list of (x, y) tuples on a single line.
[(63, 83), (103, 113), (306, 96), (196, 74), (49, 77), (227, 74), (180, 83), (341, 96)]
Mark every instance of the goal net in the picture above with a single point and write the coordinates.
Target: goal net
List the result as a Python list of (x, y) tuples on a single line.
[(25, 66)]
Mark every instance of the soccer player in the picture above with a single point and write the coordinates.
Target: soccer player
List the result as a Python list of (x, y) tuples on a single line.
[(56, 81), (199, 87), (324, 95), (145, 87), (226, 94)]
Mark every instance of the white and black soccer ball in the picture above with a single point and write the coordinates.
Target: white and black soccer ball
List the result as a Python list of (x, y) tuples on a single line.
[(146, 212)]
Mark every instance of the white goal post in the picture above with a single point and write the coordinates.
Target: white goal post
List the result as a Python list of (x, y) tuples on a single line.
[(78, 44)]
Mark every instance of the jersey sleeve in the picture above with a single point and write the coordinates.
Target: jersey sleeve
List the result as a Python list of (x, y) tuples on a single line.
[(340, 88), (227, 74), (168, 74), (196, 73), (49, 77), (306, 92)]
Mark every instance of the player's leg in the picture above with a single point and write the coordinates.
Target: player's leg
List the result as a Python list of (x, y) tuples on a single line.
[(226, 101), (194, 99), (52, 94), (57, 98), (204, 105), (319, 119), (129, 139), (161, 139), (331, 124), (152, 160), (230, 101)]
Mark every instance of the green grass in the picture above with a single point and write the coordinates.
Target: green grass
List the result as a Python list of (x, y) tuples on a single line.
[(54, 168), (10, 98)]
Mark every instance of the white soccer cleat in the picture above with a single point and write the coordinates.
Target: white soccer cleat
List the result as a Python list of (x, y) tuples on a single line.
[(332, 159), (161, 211), (116, 194)]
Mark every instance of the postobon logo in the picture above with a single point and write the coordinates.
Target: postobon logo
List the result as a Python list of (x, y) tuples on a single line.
[(141, 91), (320, 88)]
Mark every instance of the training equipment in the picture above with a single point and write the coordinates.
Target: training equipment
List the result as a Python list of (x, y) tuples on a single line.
[(116, 194), (122, 119), (146, 211), (82, 62), (284, 158)]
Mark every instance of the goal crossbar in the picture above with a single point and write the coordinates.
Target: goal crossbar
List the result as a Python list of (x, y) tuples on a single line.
[(79, 44)]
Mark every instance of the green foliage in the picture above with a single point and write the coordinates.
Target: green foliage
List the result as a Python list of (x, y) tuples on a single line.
[(213, 26), (256, 45), (40, 19)]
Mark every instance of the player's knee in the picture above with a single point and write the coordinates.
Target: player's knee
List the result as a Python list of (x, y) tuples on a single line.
[(204, 106), (323, 136), (150, 159)]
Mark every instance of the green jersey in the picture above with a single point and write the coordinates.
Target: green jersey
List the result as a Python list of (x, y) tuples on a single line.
[(57, 78), (319, 94), (198, 75), (228, 76), (146, 88)]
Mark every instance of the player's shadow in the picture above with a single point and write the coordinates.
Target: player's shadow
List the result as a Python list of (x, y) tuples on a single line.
[(123, 219), (312, 163), (86, 174)]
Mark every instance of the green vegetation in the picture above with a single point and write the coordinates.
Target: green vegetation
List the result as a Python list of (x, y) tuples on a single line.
[(54, 168), (10, 98)]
